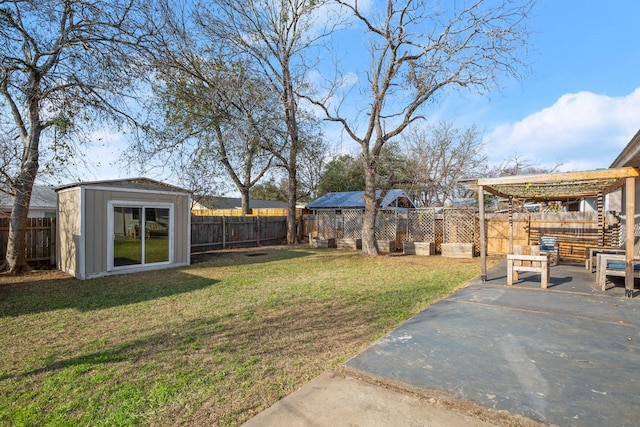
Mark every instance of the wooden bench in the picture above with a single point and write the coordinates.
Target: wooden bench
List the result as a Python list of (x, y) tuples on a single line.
[(528, 258), (592, 251), (613, 265)]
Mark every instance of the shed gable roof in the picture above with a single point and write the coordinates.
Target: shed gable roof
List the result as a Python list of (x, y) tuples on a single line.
[(140, 183)]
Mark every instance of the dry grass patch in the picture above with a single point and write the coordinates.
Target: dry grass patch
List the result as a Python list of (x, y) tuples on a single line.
[(210, 344)]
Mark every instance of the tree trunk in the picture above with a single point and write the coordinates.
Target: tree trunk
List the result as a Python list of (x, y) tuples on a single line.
[(369, 245), (16, 250), (292, 229), (244, 197), (292, 126)]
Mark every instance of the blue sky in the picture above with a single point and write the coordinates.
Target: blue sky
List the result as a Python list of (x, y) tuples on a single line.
[(578, 104)]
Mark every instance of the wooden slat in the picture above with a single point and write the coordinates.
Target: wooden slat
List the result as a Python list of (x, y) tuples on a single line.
[(39, 239)]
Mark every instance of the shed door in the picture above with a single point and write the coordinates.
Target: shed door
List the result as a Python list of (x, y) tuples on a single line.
[(141, 235)]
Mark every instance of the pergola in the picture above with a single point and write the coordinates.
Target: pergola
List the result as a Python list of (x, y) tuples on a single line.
[(559, 187)]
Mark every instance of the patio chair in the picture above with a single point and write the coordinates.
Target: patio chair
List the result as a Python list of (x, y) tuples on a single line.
[(613, 265), (549, 246)]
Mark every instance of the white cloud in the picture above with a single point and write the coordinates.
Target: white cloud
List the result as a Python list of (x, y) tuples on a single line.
[(582, 130)]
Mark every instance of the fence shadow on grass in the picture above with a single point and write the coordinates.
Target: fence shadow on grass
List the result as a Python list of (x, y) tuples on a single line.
[(95, 294), (248, 256), (58, 294)]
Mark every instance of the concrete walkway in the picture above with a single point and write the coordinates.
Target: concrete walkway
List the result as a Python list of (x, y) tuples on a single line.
[(568, 355), (333, 399)]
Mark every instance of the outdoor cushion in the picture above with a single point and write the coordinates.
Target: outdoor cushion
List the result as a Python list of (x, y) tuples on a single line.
[(547, 243), (620, 266)]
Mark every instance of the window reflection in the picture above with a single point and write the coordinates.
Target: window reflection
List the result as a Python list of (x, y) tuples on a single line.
[(156, 232)]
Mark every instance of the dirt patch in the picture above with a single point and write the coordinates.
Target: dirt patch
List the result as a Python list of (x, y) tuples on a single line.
[(33, 276)]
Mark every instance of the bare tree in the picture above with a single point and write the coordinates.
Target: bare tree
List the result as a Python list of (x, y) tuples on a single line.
[(278, 36), (63, 66), (438, 157), (519, 165), (217, 113), (417, 50)]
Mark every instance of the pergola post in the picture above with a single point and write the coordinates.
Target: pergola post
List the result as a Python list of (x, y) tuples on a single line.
[(630, 210), (600, 221), (510, 224), (483, 240)]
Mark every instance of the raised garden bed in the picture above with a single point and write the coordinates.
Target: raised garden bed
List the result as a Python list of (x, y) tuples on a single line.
[(419, 248), (457, 250), (386, 246), (349, 244), (322, 243)]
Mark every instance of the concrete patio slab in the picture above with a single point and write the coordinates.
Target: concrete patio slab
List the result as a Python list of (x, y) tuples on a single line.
[(567, 355)]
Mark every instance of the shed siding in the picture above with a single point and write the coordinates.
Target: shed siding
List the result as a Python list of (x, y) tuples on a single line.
[(69, 230), (96, 202), (96, 232)]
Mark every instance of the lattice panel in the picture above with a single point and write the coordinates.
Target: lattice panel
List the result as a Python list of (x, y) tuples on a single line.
[(459, 225), (386, 225), (352, 224), (326, 221), (421, 225)]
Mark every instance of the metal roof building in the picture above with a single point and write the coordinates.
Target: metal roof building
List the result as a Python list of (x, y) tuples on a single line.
[(393, 199)]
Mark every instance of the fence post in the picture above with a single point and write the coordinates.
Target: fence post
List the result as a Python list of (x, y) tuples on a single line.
[(258, 230), (53, 250), (224, 233)]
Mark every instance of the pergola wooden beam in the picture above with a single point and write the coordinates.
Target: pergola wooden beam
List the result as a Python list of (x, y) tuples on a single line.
[(599, 174)]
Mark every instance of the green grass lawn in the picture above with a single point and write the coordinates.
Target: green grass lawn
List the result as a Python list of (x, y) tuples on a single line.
[(210, 344)]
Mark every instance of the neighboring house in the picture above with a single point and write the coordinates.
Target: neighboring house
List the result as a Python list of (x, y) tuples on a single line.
[(628, 157), (43, 202), (394, 199), (229, 206)]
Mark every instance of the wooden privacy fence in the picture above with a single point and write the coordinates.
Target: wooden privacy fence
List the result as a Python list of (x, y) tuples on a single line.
[(40, 239), (222, 232), (575, 230), (238, 212)]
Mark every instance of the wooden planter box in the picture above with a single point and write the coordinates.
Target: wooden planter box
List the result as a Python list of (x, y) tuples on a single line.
[(418, 248), (349, 244), (457, 250), (386, 246), (322, 243)]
